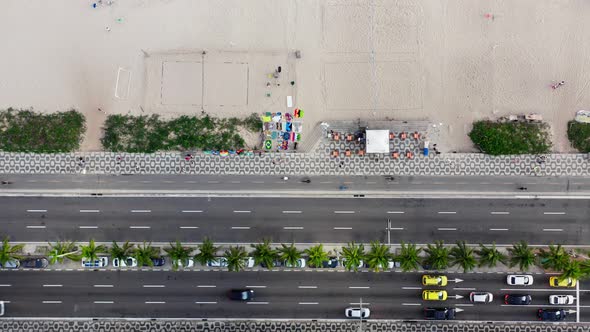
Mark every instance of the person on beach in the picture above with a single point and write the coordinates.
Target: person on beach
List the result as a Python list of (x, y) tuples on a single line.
[(555, 86)]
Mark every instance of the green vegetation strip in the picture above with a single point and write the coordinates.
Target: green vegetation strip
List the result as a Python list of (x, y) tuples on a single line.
[(28, 131), (579, 135), (147, 134), (510, 138)]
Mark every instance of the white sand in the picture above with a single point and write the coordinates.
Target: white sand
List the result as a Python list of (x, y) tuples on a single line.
[(437, 60)]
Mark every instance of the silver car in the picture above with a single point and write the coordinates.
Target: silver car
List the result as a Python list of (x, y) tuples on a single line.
[(481, 297), (562, 299), (357, 312)]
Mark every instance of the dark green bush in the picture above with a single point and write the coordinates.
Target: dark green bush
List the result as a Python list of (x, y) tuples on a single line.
[(579, 135), (28, 131), (510, 138)]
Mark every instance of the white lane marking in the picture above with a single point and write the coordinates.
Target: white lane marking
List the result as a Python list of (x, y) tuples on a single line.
[(395, 212), (464, 304), (103, 286), (192, 211), (155, 302), (304, 303), (343, 228), (104, 302), (257, 303), (446, 229), (240, 227), (411, 287), (212, 181), (291, 212), (498, 229), (141, 211), (154, 286), (307, 287), (257, 181), (554, 213), (200, 302), (242, 211), (5, 285), (358, 303), (36, 210), (500, 212), (206, 286), (447, 212), (87, 227), (359, 287), (292, 227), (463, 288), (140, 227), (552, 230), (188, 227), (89, 211), (255, 286), (412, 304), (34, 227), (53, 285), (344, 212), (51, 302), (396, 229), (543, 290)]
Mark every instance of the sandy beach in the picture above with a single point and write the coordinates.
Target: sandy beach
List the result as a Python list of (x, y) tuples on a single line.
[(448, 62)]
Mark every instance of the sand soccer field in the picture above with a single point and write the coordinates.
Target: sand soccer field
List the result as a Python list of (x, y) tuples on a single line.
[(450, 62)]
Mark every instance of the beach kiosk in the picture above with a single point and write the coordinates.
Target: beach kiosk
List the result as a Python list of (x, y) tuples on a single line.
[(377, 141)]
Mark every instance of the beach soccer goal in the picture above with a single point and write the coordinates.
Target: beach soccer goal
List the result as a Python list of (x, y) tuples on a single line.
[(123, 83)]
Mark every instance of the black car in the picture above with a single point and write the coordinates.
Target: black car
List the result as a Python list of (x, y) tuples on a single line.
[(439, 313), (158, 261), (274, 264), (240, 294), (34, 263), (331, 263), (552, 315), (517, 299)]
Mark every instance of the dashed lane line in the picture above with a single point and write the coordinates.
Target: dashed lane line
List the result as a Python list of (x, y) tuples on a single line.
[(554, 213), (51, 302), (206, 286), (358, 303), (103, 286), (359, 287), (412, 304), (395, 212), (53, 285), (343, 228), (140, 227), (206, 302), (5, 285), (155, 302), (292, 228), (291, 212), (500, 212), (192, 211), (411, 288), (89, 211), (141, 211), (242, 211), (188, 227), (307, 287), (256, 302), (308, 303), (552, 229), (498, 229), (344, 212), (88, 227), (240, 227), (154, 286), (446, 229), (104, 302), (37, 211), (447, 212), (255, 286)]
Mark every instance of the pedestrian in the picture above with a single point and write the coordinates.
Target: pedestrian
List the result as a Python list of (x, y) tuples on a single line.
[(107, 28), (119, 160), (555, 86)]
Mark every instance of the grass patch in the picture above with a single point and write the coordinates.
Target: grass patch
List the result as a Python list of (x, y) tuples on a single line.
[(579, 135), (147, 134), (510, 138), (28, 131)]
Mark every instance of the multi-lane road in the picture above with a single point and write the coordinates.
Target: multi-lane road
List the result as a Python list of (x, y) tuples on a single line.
[(279, 294), (300, 220)]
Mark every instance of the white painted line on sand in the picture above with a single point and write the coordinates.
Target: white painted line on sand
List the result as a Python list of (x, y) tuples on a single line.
[(305, 303), (201, 302), (188, 227), (89, 211), (292, 227), (359, 287), (103, 286), (36, 210), (291, 212), (344, 212), (307, 287), (447, 212), (446, 229), (240, 227), (104, 302), (141, 211), (554, 213), (395, 212), (192, 211), (88, 227), (53, 285), (242, 211), (342, 228), (140, 227), (35, 227), (51, 302), (500, 212), (154, 286), (552, 230)]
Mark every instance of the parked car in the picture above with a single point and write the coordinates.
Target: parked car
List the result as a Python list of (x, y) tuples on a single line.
[(218, 262), (127, 262), (331, 263), (11, 264), (434, 295), (439, 313), (34, 263), (481, 297), (189, 262), (250, 262), (357, 312), (275, 264), (519, 280), (300, 263), (517, 299), (1, 308), (566, 282), (393, 265), (552, 315), (240, 294), (360, 266), (158, 261), (433, 280), (562, 299), (100, 262)]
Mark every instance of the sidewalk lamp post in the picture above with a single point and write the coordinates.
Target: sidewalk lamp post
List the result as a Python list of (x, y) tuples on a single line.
[(388, 232)]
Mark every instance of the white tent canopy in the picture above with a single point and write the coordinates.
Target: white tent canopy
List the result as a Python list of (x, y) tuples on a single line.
[(377, 141)]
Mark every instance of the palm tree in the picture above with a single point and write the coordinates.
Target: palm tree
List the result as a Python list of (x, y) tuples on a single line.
[(555, 258), (462, 255), (236, 258), (572, 269), (121, 252), (207, 252), (409, 257), (91, 251), (145, 253), (521, 255), (490, 256), (585, 268), (378, 257), (8, 252), (438, 256), (264, 254), (178, 253), (289, 254), (316, 255), (63, 249), (353, 255)]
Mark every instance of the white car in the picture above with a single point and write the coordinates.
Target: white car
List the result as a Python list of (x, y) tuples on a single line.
[(481, 297), (300, 263), (218, 262), (100, 262), (519, 280), (562, 299), (357, 312), (189, 262), (1, 308), (127, 262), (250, 262)]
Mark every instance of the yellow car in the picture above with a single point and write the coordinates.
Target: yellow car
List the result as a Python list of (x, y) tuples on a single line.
[(434, 295), (567, 282), (428, 280)]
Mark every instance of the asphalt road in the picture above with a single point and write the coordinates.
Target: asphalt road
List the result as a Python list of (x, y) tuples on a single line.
[(247, 219), (280, 294)]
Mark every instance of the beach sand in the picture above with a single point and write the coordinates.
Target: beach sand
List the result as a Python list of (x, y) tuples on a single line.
[(449, 62)]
